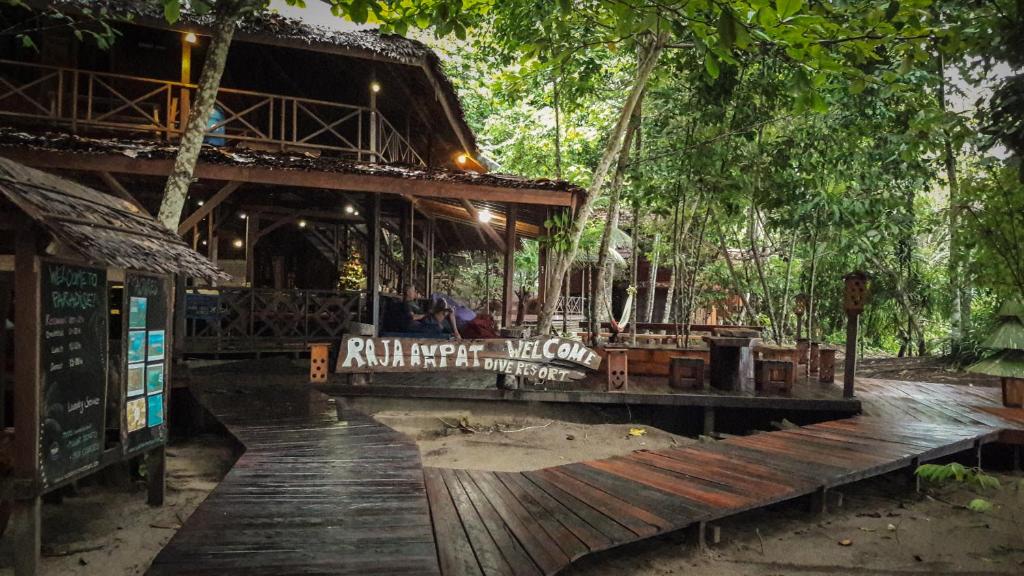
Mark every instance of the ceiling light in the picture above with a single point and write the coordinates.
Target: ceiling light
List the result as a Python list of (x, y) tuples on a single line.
[(200, 202), (461, 159), (356, 213), (375, 87), (484, 216), (191, 38), (302, 223), (349, 209), (242, 215), (238, 243)]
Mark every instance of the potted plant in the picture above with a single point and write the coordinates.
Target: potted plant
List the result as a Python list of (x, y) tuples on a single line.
[(1008, 362)]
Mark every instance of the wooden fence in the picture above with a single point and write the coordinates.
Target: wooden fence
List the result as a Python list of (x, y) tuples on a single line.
[(100, 101), (244, 320)]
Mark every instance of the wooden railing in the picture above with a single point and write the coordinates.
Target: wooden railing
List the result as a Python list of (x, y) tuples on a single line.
[(99, 102), (570, 305), (244, 320)]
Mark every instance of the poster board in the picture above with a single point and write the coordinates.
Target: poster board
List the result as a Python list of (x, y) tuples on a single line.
[(552, 359), (146, 362), (73, 369)]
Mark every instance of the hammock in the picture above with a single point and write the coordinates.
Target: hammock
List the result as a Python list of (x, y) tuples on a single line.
[(618, 327)]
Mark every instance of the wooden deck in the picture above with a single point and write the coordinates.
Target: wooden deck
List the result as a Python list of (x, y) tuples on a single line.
[(312, 495)]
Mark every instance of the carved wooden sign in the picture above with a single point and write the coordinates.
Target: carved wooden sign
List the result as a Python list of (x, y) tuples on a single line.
[(553, 359)]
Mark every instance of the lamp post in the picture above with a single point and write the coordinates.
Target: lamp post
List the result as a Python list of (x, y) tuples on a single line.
[(853, 303)]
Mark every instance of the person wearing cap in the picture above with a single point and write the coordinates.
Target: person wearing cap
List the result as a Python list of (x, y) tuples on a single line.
[(439, 321)]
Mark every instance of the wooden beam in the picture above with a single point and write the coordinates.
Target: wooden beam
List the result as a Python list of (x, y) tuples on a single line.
[(508, 280), (408, 235), (374, 260), (283, 221), (27, 523), (120, 191), (325, 180), (208, 206), (460, 214), (485, 227), (442, 97), (311, 214)]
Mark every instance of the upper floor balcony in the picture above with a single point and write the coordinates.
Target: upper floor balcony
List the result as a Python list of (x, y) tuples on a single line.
[(108, 104)]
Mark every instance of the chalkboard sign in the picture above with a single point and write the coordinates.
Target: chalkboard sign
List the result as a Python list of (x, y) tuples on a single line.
[(73, 368), (144, 421)]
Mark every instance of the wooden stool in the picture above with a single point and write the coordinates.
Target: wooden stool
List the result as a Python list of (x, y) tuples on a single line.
[(815, 351), (803, 348), (827, 365), (618, 369), (774, 376), (686, 373)]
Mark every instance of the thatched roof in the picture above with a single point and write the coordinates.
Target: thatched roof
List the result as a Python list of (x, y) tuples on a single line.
[(100, 228), (158, 150), (272, 28)]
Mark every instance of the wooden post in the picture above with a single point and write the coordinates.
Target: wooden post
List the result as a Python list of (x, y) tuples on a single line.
[(373, 261), (373, 123), (252, 235), (431, 230), (156, 485), (26, 529), (185, 98), (509, 281), (853, 304), (408, 246)]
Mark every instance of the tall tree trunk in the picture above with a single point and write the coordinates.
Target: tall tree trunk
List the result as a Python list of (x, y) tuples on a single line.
[(732, 269), (811, 301), (752, 232), (666, 316), (692, 291), (652, 280), (612, 148), (960, 307), (228, 14), (611, 224), (784, 316)]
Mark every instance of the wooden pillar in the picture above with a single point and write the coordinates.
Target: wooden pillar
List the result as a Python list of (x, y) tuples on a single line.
[(373, 122), (373, 260), (509, 281), (184, 101), (429, 280), (850, 368), (156, 485), (27, 524), (252, 235), (409, 246)]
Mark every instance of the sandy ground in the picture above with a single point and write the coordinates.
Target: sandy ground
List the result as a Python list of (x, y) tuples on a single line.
[(103, 530), (461, 439)]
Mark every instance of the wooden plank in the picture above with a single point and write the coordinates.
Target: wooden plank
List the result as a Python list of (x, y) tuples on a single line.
[(623, 505), (570, 545), (454, 551), (543, 550), (709, 472), (209, 206), (692, 490), (573, 536), (610, 527), (518, 560)]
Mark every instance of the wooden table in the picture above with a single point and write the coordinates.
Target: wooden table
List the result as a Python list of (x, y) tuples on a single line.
[(732, 362)]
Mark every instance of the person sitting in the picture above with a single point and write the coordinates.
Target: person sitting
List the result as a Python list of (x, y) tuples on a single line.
[(439, 323), (401, 316)]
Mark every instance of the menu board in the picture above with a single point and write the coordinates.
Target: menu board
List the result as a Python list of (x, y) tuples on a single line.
[(144, 424), (73, 368)]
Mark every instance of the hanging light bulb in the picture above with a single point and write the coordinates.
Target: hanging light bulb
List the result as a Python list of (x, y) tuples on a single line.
[(302, 223), (238, 243), (349, 209), (484, 216), (191, 38)]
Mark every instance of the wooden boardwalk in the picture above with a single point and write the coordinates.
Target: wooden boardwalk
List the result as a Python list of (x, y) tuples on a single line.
[(315, 496), (310, 495)]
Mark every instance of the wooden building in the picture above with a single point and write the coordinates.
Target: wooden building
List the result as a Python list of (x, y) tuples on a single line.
[(325, 146), (88, 277)]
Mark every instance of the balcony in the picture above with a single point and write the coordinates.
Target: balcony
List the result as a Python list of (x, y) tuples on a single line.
[(98, 103)]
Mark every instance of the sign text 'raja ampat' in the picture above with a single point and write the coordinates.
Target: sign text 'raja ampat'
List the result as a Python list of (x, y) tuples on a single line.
[(553, 359)]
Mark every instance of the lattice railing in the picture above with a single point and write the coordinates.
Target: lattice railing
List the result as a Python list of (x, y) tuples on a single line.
[(99, 101), (570, 305), (264, 320)]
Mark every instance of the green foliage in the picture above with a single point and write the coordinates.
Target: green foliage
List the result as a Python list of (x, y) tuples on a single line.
[(956, 472)]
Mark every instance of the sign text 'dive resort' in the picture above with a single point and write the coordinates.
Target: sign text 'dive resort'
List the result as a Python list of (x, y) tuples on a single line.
[(554, 359)]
